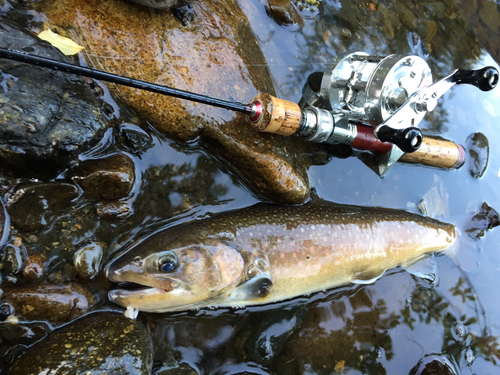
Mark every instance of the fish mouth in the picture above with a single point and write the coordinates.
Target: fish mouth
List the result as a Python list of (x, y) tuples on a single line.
[(137, 292), (129, 291), (144, 299), (151, 299), (131, 288)]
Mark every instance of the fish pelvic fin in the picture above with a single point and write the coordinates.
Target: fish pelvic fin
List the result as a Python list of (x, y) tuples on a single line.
[(368, 277)]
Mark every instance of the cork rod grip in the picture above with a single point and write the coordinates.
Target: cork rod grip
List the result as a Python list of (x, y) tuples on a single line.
[(437, 153), (276, 115)]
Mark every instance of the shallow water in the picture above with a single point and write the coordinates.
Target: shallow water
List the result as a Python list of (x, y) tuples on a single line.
[(382, 328)]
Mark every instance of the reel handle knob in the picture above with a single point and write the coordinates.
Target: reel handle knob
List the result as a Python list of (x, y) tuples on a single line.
[(408, 140), (484, 79)]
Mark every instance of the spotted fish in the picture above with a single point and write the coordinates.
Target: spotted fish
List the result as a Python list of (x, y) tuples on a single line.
[(268, 253)]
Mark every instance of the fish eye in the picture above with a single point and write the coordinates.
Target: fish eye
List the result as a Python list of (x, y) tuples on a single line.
[(167, 263)]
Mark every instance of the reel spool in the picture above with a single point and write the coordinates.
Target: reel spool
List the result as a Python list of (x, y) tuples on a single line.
[(370, 89)]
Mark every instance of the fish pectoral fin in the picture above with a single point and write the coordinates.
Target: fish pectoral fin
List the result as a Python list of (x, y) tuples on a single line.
[(368, 277), (257, 287)]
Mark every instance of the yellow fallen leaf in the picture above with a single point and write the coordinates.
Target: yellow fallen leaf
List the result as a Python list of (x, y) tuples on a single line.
[(65, 45)]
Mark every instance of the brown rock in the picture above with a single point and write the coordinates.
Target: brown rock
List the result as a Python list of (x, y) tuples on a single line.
[(216, 54), (489, 14), (284, 12), (32, 268), (87, 261), (101, 343), (33, 206), (54, 303), (107, 178)]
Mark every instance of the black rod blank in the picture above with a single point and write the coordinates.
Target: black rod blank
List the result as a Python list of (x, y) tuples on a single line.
[(125, 81)]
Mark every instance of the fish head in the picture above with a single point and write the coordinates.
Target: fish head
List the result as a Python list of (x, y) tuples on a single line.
[(179, 278)]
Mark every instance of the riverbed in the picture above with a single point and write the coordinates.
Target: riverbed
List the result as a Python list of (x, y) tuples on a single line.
[(382, 328)]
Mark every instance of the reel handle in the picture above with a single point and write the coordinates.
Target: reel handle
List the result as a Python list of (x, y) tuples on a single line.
[(437, 153), (408, 140), (484, 79)]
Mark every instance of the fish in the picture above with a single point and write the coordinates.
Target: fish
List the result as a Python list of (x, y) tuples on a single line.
[(268, 253)]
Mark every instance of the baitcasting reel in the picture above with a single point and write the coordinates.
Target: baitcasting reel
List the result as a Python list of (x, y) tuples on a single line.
[(371, 103)]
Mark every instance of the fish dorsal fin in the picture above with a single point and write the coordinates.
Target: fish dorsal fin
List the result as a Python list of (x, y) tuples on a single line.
[(314, 197), (368, 277)]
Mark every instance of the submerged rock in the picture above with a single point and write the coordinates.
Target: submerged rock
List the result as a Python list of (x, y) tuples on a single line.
[(107, 178), (12, 259), (263, 339), (87, 261), (284, 12), (23, 333), (33, 268), (483, 18), (487, 218), (101, 343), (33, 206), (479, 151), (47, 117), (434, 365), (54, 303), (216, 54)]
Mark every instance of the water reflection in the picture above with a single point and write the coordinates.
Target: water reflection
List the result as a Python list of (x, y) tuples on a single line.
[(348, 330)]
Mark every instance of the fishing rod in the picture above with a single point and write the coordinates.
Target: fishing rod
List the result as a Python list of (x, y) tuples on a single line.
[(371, 103), (122, 80)]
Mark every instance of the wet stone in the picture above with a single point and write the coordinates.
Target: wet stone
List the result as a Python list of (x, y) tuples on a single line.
[(12, 260), (192, 58), (434, 365), (47, 117), (171, 366), (266, 337), (23, 333), (486, 219), (87, 261), (108, 178), (54, 303), (100, 343), (32, 207), (406, 16), (479, 151), (437, 9), (112, 210), (135, 139), (6, 310), (283, 12), (32, 268), (427, 30)]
